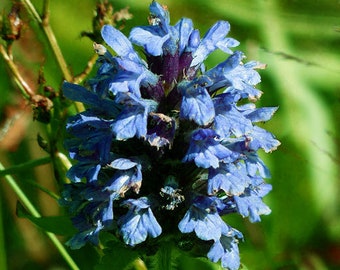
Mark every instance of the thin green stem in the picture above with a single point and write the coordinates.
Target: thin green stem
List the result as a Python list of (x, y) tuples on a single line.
[(34, 212), (43, 189), (31, 9), (62, 251), (24, 166), (44, 23)]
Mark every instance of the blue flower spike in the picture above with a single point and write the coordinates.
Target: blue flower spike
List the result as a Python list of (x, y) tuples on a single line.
[(166, 141)]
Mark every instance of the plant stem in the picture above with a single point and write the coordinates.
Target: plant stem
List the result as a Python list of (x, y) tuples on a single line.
[(44, 23), (24, 166), (34, 212)]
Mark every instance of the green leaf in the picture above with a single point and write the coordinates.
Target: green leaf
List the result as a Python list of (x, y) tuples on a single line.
[(117, 256), (59, 225)]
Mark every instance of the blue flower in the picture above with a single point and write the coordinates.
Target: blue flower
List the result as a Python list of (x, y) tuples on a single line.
[(229, 118), (213, 39), (132, 121), (101, 103), (95, 144), (196, 103), (155, 36), (130, 70), (205, 149), (250, 202), (203, 218), (260, 138), (86, 235), (175, 143), (232, 178), (226, 250), (237, 78), (128, 175), (92, 210), (139, 222), (256, 166)]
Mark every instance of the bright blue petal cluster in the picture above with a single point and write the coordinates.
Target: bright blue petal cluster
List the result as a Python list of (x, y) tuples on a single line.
[(172, 142)]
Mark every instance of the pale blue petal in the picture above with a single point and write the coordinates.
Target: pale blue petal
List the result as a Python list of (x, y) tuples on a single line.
[(203, 218), (122, 164), (119, 43), (250, 204), (209, 42), (139, 222), (262, 114), (226, 250), (225, 44), (159, 15), (147, 38), (197, 104), (184, 28), (232, 179), (260, 138)]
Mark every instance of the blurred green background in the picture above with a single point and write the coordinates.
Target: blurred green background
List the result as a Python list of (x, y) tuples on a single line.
[(300, 43)]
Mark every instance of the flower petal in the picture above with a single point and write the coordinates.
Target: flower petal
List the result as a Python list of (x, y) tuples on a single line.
[(119, 43), (196, 103)]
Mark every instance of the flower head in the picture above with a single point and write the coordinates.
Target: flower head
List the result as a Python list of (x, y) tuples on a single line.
[(173, 142)]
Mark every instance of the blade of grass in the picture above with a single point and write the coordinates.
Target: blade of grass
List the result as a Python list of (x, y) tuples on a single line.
[(43, 189), (24, 166)]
